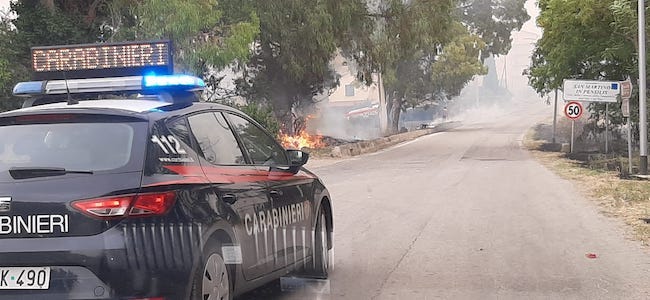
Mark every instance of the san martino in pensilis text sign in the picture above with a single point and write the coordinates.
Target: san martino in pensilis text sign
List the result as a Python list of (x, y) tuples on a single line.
[(591, 90)]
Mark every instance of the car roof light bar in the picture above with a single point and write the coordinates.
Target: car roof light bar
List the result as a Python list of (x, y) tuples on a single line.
[(150, 83), (29, 88), (173, 81), (94, 85)]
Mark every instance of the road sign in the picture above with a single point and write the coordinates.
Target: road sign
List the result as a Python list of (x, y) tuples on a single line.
[(626, 94), (626, 89), (573, 110), (625, 107), (591, 91)]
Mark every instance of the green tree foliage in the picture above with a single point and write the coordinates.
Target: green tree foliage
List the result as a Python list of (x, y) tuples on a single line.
[(404, 49), (440, 77), (405, 46), (297, 41), (8, 73), (582, 39), (493, 21), (40, 23), (585, 39), (457, 64), (202, 39)]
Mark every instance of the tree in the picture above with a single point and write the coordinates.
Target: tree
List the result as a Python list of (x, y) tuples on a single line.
[(202, 39), (440, 77), (457, 64), (586, 39), (291, 61), (38, 23), (580, 40), (403, 48), (493, 21)]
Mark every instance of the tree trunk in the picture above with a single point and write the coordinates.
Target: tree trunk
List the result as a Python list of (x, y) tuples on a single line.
[(395, 111)]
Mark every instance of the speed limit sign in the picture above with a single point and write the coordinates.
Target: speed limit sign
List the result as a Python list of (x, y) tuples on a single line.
[(573, 110)]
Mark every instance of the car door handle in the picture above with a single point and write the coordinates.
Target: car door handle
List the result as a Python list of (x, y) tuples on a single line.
[(275, 194), (229, 198)]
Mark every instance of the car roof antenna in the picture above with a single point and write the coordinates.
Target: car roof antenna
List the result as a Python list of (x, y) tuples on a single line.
[(67, 89)]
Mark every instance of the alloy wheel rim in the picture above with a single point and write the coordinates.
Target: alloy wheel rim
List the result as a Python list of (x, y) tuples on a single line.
[(216, 285)]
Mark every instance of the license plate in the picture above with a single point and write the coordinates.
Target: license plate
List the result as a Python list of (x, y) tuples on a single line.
[(19, 278)]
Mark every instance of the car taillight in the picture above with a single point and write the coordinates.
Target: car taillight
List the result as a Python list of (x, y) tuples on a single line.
[(150, 204), (105, 207)]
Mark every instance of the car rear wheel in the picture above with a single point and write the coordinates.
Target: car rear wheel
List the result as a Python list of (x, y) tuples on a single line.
[(212, 280), (321, 264)]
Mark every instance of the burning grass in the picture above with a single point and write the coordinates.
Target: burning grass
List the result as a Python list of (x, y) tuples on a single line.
[(301, 140)]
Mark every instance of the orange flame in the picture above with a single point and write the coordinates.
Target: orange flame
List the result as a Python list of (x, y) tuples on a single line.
[(301, 140)]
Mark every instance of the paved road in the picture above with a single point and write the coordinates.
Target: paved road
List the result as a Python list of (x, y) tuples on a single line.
[(468, 214)]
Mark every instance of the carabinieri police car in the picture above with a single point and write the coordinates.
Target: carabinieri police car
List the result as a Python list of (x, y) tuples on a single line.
[(126, 187)]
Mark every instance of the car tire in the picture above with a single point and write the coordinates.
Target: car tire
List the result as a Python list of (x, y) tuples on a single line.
[(321, 263), (212, 279)]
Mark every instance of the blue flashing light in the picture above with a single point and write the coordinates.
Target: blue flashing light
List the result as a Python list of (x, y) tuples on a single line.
[(28, 88), (185, 82)]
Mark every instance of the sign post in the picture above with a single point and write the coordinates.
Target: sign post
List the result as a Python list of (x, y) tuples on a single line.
[(573, 110), (555, 117), (606, 128), (626, 94), (593, 91), (629, 144), (573, 126)]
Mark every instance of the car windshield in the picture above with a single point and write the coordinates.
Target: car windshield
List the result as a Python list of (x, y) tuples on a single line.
[(72, 146)]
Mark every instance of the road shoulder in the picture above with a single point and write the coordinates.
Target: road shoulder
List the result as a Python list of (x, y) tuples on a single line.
[(627, 200)]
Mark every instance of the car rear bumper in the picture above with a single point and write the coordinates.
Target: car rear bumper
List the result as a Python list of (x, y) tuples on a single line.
[(129, 261)]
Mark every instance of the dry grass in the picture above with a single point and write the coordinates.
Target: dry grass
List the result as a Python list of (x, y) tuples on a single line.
[(628, 200)]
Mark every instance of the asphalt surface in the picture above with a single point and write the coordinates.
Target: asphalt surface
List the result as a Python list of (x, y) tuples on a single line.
[(469, 214)]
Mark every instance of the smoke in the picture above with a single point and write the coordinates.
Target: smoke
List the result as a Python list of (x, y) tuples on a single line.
[(477, 103), (332, 121)]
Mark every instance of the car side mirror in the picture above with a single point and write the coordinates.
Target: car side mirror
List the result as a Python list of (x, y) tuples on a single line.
[(297, 158)]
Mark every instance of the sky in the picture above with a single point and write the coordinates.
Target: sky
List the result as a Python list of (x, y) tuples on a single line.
[(4, 4)]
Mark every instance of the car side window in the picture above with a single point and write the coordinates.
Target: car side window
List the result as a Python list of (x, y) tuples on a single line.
[(216, 140), (180, 128), (262, 148)]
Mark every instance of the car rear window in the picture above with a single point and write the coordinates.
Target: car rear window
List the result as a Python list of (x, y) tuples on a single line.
[(92, 146)]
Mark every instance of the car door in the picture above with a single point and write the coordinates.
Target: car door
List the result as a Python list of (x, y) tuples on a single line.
[(290, 193), (239, 184)]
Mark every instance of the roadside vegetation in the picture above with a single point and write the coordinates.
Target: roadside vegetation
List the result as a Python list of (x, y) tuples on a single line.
[(277, 54), (590, 40), (600, 177)]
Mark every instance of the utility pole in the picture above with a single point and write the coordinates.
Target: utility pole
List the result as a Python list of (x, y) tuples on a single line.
[(555, 116), (643, 122), (478, 92)]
